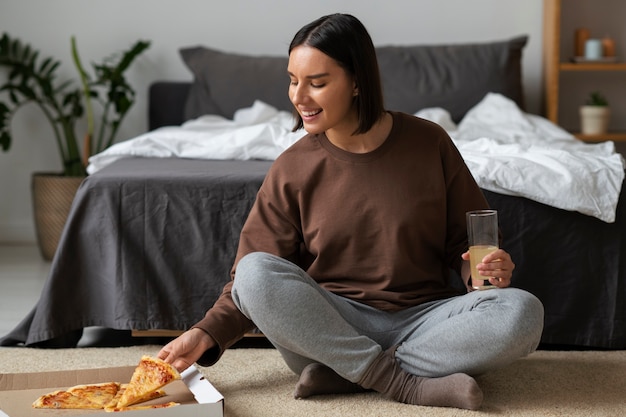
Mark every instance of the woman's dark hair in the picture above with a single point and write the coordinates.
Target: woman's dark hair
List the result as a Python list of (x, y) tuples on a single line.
[(344, 38)]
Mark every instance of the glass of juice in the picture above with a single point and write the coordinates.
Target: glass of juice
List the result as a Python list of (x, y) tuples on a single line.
[(482, 234)]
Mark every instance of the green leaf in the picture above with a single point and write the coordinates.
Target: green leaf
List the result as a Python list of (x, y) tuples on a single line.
[(45, 65), (5, 140), (596, 98)]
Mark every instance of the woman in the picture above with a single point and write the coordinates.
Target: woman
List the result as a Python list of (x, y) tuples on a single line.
[(344, 261)]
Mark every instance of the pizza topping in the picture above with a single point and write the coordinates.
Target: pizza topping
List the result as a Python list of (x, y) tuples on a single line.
[(64, 399), (98, 394), (112, 405)]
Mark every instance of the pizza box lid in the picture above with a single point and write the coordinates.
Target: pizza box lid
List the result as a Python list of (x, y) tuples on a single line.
[(196, 395)]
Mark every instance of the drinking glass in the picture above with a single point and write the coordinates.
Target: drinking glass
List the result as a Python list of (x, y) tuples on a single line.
[(482, 234)]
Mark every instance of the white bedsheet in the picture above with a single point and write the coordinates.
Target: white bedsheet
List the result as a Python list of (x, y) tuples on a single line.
[(508, 151)]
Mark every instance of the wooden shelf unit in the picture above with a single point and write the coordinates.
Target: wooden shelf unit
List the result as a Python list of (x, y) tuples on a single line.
[(555, 65), (572, 66)]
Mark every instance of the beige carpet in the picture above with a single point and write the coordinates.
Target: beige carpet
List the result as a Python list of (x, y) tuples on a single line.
[(256, 383)]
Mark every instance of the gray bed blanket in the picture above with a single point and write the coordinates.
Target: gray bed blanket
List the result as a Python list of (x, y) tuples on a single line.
[(148, 245)]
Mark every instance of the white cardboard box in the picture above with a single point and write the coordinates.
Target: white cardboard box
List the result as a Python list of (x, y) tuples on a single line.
[(196, 395)]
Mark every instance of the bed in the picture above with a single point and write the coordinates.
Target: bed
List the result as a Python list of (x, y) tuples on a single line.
[(150, 238)]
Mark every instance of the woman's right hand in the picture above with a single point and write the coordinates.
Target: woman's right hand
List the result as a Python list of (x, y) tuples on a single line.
[(187, 348)]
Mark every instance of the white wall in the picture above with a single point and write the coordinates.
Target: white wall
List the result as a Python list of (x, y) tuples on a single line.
[(254, 26)]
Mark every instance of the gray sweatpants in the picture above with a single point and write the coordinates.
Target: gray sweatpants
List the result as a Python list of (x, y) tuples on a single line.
[(472, 333)]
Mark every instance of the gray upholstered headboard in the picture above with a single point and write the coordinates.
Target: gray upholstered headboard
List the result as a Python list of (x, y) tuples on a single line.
[(455, 77), (166, 103)]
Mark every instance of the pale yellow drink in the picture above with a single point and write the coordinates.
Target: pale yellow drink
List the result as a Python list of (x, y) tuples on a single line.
[(477, 253)]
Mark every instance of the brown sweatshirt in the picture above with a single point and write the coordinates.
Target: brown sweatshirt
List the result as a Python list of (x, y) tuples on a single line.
[(383, 228)]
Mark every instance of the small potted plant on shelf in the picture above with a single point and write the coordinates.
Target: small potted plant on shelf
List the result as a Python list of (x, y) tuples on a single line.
[(595, 115), (32, 79)]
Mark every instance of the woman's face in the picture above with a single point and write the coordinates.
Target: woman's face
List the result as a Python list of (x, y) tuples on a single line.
[(322, 92)]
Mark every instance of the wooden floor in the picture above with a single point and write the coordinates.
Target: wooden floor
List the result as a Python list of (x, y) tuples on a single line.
[(22, 275)]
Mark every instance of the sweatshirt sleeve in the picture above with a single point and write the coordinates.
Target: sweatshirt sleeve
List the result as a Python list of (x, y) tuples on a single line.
[(225, 324)]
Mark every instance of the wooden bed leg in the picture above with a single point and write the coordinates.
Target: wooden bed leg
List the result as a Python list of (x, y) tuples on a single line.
[(176, 333)]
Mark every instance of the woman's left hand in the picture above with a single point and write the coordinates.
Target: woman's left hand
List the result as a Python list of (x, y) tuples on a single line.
[(497, 265)]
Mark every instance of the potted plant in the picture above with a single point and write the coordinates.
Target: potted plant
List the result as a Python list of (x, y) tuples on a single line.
[(595, 115), (32, 79)]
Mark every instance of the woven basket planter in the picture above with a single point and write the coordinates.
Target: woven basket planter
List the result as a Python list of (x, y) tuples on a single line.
[(52, 199)]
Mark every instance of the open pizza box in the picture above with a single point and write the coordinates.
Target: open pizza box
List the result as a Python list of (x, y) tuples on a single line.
[(196, 395)]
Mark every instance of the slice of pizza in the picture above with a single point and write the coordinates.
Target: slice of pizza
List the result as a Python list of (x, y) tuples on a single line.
[(151, 396), (117, 397), (141, 407), (98, 394), (150, 375), (64, 400)]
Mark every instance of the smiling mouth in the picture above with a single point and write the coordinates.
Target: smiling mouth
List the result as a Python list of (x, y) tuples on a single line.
[(308, 114)]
